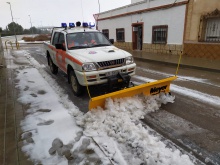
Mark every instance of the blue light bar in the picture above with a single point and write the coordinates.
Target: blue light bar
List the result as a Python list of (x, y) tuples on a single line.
[(85, 24), (64, 25), (91, 24), (71, 25)]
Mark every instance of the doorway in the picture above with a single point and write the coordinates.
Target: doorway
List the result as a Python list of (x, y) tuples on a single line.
[(137, 36)]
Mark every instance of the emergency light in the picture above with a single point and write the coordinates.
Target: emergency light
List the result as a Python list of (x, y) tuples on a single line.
[(64, 25), (71, 25), (85, 24), (91, 24)]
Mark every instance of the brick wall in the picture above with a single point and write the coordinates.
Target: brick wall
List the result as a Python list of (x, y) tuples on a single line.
[(153, 48), (202, 50), (124, 45), (162, 48)]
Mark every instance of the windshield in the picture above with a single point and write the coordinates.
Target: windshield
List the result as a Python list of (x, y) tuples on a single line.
[(86, 40)]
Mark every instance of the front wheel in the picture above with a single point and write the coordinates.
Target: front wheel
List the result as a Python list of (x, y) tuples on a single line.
[(76, 87), (53, 67)]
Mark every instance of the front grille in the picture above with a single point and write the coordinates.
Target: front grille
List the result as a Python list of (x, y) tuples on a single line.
[(111, 64)]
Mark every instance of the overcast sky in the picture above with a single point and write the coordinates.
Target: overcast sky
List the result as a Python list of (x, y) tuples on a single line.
[(53, 12)]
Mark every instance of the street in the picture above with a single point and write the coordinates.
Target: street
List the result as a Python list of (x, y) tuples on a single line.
[(192, 121)]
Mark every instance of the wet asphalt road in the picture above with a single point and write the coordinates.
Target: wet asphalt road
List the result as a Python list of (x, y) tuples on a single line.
[(192, 122)]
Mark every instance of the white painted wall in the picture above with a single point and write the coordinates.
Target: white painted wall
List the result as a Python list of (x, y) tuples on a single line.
[(113, 24), (135, 1), (173, 17), (145, 4)]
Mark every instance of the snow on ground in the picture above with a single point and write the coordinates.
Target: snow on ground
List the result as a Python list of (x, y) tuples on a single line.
[(56, 132), (180, 78)]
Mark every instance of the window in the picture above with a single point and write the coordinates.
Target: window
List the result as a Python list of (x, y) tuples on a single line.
[(159, 34), (61, 39), (55, 38), (58, 38), (209, 27), (120, 35), (86, 40), (212, 30), (106, 32)]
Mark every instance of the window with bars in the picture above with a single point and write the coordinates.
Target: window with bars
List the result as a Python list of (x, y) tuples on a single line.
[(212, 33), (120, 35), (159, 34), (106, 32), (209, 28)]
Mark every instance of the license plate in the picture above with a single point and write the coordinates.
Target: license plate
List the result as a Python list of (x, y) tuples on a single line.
[(112, 73)]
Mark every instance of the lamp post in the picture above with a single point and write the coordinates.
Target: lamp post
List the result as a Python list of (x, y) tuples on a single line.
[(13, 23), (31, 25), (98, 16)]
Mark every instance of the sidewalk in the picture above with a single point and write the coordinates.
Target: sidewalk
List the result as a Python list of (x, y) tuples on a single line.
[(11, 114), (189, 62)]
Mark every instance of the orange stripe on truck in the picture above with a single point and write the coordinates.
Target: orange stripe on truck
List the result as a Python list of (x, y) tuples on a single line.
[(73, 59), (51, 47), (64, 54)]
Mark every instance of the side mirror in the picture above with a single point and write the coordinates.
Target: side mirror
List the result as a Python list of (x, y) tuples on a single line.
[(111, 40), (59, 46)]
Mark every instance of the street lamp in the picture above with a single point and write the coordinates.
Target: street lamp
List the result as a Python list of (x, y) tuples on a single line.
[(31, 25), (13, 23), (97, 16)]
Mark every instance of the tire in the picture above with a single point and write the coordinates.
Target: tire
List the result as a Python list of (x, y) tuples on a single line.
[(78, 89), (53, 67)]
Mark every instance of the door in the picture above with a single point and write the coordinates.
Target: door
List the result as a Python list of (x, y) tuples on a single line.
[(137, 36), (60, 54)]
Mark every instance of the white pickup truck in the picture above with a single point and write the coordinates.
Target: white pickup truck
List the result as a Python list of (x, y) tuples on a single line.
[(88, 58)]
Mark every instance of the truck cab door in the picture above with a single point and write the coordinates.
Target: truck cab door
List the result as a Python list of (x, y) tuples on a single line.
[(61, 52), (53, 50)]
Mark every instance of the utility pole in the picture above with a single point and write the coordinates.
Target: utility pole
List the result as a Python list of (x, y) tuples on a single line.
[(16, 41), (97, 17), (31, 25)]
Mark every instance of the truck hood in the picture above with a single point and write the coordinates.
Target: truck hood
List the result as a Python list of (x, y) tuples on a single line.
[(98, 54)]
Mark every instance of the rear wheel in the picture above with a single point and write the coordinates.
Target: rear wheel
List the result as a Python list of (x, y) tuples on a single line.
[(53, 67), (76, 87)]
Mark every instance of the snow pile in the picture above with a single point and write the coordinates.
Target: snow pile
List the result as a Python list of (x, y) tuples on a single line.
[(120, 121), (47, 116), (56, 132)]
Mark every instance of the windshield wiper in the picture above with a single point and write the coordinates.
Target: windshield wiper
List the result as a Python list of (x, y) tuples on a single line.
[(97, 45)]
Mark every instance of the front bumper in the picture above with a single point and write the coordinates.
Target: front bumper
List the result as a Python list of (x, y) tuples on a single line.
[(100, 76)]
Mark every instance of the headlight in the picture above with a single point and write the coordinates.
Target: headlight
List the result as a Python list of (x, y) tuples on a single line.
[(129, 60), (88, 67)]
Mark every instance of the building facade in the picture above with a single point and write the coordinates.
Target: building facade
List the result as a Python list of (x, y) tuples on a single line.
[(167, 27), (202, 31)]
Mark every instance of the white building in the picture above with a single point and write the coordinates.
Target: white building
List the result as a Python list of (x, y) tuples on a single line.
[(155, 26), (166, 26)]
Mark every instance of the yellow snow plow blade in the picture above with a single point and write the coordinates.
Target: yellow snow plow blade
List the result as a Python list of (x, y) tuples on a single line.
[(151, 88)]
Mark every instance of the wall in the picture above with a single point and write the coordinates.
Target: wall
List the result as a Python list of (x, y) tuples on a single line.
[(135, 1), (192, 47), (174, 17), (195, 10), (202, 50), (142, 5)]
